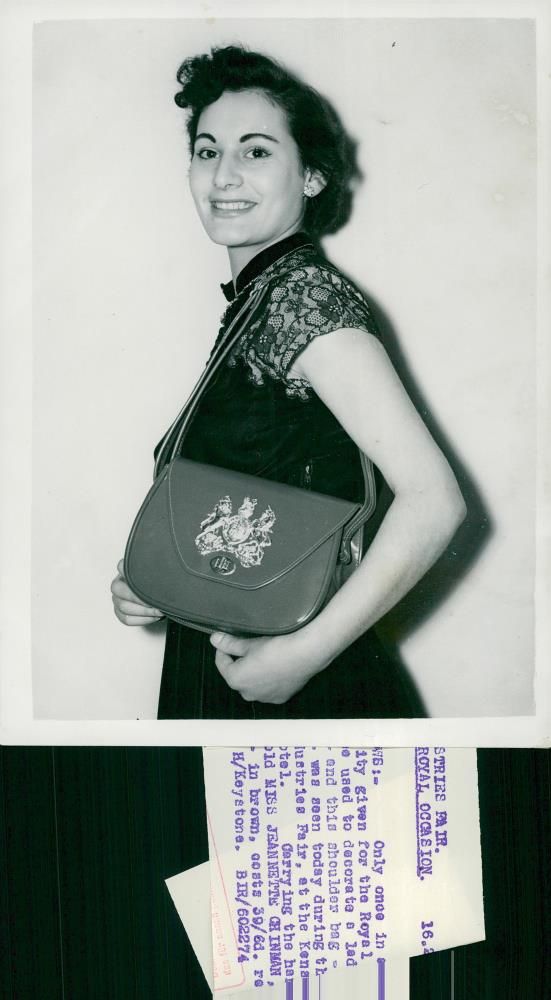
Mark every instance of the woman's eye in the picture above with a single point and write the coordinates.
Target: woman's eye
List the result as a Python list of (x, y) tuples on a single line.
[(205, 154), (257, 153)]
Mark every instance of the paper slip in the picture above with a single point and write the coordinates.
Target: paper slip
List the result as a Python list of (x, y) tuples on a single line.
[(190, 893), (325, 859), (386, 980)]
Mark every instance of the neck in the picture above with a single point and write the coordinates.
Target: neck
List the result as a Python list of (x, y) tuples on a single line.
[(240, 256)]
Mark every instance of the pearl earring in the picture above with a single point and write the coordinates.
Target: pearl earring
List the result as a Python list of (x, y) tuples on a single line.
[(308, 190)]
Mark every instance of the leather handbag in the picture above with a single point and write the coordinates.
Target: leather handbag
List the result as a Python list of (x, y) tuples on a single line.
[(217, 549)]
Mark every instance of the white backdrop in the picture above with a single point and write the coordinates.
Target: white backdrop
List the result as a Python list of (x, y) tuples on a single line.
[(126, 305)]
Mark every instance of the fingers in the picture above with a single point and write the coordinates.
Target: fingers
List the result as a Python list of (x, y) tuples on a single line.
[(128, 608), (229, 669), (132, 608), (120, 588), (232, 644), (228, 647), (224, 662), (122, 594), (136, 619)]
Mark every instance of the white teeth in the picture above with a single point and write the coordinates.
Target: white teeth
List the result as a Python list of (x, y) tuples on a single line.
[(231, 206)]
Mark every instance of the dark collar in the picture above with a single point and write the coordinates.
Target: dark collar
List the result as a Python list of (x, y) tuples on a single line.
[(263, 260)]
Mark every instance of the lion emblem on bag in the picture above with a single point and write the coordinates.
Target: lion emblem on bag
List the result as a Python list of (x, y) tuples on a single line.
[(240, 534)]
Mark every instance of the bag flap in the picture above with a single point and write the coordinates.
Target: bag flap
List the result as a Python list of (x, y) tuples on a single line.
[(244, 531)]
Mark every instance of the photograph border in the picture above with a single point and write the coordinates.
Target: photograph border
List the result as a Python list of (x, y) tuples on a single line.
[(17, 723)]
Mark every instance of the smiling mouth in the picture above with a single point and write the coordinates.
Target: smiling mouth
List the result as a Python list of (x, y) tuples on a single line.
[(232, 206)]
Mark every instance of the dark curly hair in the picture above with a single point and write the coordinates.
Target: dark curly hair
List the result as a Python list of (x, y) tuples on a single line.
[(313, 123)]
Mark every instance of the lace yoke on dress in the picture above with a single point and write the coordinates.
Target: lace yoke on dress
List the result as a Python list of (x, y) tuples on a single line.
[(308, 298)]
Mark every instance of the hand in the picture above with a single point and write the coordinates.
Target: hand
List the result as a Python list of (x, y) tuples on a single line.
[(267, 669), (128, 608)]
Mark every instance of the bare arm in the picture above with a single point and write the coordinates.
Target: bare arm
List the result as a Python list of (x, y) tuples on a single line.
[(352, 374)]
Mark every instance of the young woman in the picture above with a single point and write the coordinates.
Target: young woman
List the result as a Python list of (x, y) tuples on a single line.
[(308, 384)]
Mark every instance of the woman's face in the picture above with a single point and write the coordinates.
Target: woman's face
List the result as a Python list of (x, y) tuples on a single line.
[(246, 175)]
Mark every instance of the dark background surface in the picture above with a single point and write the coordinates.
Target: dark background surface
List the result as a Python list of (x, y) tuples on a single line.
[(89, 834)]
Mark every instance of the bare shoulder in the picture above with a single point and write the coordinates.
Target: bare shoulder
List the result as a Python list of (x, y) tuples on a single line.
[(341, 351)]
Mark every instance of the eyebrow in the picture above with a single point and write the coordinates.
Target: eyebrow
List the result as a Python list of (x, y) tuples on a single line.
[(244, 138)]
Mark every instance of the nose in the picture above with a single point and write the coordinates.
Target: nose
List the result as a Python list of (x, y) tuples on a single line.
[(227, 173)]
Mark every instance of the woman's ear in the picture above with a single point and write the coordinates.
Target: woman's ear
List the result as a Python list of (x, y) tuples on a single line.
[(314, 182)]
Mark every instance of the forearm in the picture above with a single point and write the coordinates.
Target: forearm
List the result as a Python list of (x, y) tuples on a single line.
[(414, 533)]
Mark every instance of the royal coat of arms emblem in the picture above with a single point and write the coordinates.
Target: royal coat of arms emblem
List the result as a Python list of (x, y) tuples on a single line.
[(241, 535)]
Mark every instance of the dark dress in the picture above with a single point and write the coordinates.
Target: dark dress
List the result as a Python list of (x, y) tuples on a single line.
[(256, 418)]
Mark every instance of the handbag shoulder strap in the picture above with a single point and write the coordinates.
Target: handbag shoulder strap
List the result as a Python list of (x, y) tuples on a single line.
[(175, 435)]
